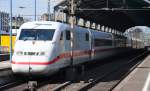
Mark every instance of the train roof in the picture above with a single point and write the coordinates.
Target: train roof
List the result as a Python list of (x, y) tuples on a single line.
[(40, 25), (55, 25)]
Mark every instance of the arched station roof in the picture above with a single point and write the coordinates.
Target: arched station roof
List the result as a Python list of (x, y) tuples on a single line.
[(117, 14)]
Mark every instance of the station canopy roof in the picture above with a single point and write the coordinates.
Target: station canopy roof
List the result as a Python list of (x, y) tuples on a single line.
[(117, 14)]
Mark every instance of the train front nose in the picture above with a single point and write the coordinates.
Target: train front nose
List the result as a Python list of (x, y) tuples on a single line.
[(20, 63), (31, 57), (27, 64)]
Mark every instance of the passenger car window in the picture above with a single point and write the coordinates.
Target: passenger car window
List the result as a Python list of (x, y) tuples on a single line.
[(102, 42)]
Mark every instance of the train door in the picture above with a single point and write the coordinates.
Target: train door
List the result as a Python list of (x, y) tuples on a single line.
[(67, 46), (85, 45), (67, 41), (90, 42), (61, 45)]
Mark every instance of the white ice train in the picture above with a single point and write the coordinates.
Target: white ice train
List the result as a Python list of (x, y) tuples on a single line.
[(44, 47)]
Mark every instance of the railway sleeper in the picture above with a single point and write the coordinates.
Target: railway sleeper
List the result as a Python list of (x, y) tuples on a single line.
[(32, 85)]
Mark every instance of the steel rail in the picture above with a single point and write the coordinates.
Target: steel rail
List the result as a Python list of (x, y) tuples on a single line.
[(93, 82)]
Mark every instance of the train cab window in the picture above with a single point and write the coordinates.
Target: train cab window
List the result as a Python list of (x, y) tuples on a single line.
[(27, 34), (87, 37), (68, 37), (36, 34), (45, 34)]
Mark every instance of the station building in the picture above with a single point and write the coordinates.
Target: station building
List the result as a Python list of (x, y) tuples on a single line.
[(4, 22), (5, 28)]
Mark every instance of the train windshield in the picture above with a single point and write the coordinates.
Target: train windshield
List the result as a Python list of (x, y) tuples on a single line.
[(36, 34)]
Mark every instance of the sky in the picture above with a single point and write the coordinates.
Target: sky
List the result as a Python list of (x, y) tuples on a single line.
[(29, 6)]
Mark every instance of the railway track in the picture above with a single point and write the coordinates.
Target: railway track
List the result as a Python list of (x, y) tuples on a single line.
[(23, 84), (92, 77), (117, 71), (87, 85), (6, 78), (11, 84)]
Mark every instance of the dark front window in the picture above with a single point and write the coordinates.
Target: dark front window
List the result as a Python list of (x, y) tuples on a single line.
[(36, 34)]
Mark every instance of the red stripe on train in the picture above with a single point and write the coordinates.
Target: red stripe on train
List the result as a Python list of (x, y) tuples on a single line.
[(37, 63), (61, 56)]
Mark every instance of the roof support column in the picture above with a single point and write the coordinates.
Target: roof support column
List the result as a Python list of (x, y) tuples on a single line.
[(103, 28), (109, 30), (106, 29), (93, 26), (98, 27), (88, 24)]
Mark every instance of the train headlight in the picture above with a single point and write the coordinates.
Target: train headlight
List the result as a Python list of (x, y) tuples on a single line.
[(19, 53)]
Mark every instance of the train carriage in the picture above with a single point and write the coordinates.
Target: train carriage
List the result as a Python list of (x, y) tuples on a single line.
[(44, 47)]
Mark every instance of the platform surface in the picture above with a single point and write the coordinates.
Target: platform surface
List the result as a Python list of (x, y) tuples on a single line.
[(137, 80)]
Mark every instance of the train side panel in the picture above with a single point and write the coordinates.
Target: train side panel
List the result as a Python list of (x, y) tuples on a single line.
[(102, 45)]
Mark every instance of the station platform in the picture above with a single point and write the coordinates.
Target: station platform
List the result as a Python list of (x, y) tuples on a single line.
[(137, 80), (5, 65)]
